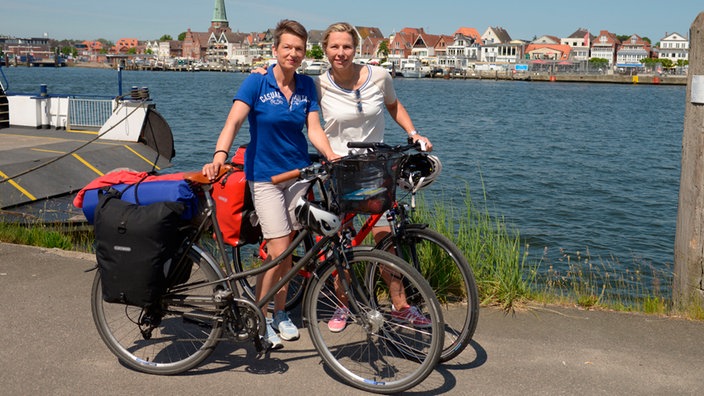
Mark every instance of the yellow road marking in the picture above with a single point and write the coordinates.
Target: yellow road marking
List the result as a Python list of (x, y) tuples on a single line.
[(48, 151), (87, 164), (142, 157), (18, 187)]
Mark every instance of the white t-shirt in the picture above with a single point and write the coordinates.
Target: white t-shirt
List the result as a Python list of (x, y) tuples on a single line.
[(356, 115)]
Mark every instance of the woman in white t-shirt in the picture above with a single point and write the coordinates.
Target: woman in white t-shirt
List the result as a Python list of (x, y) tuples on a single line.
[(353, 99)]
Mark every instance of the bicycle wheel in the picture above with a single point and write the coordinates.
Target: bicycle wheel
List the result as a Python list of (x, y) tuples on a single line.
[(246, 257), (375, 352), (171, 338), (444, 266)]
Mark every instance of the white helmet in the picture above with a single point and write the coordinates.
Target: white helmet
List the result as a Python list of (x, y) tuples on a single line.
[(319, 220), (418, 171)]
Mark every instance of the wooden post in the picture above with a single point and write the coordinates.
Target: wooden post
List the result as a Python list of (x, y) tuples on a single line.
[(688, 287)]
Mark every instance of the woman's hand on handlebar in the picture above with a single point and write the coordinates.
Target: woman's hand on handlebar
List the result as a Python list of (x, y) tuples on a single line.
[(423, 141)]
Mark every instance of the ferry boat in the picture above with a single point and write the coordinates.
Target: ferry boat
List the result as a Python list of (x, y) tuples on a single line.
[(55, 144)]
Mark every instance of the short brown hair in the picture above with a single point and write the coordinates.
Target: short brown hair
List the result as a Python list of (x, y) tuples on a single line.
[(341, 27), (290, 27)]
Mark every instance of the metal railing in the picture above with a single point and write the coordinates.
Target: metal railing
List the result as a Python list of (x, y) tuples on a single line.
[(88, 114)]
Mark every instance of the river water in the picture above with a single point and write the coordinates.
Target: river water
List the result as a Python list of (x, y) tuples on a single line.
[(572, 166)]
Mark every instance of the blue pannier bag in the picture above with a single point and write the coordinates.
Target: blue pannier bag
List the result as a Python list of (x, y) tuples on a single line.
[(145, 193)]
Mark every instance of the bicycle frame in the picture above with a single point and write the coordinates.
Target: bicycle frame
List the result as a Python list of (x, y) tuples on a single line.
[(323, 245)]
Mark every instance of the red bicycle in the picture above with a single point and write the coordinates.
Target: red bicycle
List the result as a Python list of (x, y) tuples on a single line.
[(433, 254)]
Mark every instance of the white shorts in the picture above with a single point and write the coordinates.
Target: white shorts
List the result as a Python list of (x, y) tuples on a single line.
[(276, 204)]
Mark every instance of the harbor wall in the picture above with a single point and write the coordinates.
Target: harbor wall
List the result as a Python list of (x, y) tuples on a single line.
[(571, 77)]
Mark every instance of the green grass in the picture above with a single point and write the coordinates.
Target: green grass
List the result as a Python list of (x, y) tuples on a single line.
[(65, 238)]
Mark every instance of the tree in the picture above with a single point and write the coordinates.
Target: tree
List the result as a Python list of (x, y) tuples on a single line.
[(383, 50), (166, 37), (598, 63), (316, 52), (132, 50), (105, 43), (666, 63), (181, 36)]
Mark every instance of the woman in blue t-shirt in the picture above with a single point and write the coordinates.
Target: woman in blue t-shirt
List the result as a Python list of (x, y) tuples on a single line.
[(278, 105)]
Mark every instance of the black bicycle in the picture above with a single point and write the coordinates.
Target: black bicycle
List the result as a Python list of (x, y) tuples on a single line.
[(376, 352)]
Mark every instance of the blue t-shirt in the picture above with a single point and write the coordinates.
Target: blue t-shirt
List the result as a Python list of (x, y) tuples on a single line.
[(277, 142)]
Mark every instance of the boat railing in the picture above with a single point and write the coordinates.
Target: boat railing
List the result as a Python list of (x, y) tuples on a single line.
[(4, 83), (88, 113)]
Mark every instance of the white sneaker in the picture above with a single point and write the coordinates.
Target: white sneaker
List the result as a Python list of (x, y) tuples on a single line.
[(272, 337), (287, 330)]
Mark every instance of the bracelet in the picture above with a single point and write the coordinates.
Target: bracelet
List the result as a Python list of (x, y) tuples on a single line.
[(412, 133), (227, 154)]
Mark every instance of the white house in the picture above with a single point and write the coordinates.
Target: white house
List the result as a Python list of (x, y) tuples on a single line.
[(580, 42), (674, 47)]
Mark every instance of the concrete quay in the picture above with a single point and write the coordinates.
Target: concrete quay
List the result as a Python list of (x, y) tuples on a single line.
[(645, 79), (50, 347)]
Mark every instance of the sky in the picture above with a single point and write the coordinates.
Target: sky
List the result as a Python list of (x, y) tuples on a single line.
[(151, 19)]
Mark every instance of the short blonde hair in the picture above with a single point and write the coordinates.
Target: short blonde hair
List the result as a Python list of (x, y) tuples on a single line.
[(341, 27)]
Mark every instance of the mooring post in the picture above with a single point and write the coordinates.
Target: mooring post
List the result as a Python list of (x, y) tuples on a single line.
[(688, 285)]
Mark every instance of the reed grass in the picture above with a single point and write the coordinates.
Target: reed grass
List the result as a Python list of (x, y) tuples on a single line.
[(508, 277), (491, 248), (604, 283)]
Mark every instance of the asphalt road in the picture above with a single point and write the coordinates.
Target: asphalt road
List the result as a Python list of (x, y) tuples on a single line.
[(49, 346)]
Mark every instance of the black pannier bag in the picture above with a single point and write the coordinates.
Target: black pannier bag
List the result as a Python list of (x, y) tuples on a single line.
[(133, 245)]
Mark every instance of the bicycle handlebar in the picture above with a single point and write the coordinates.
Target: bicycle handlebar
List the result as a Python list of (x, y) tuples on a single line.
[(316, 167), (282, 177), (386, 147)]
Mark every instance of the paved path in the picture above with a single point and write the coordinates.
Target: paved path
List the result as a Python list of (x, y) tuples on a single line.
[(49, 346)]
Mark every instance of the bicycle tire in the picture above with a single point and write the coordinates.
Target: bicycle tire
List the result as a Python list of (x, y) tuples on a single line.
[(450, 276), (245, 257), (176, 344), (374, 352)]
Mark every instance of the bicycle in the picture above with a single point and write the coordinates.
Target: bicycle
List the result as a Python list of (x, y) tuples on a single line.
[(434, 255), (376, 354)]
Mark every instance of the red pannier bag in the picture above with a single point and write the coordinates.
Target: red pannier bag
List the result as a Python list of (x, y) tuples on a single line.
[(234, 207)]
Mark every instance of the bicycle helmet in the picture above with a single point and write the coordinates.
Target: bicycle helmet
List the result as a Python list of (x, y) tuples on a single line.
[(319, 220), (418, 171)]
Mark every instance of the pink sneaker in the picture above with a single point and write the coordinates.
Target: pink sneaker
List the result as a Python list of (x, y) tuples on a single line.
[(412, 316), (338, 322)]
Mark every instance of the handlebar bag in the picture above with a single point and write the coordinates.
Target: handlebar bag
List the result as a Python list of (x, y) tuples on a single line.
[(135, 245)]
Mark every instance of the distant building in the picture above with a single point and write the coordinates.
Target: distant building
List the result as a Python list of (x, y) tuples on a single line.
[(673, 46), (465, 48), (631, 51), (124, 44), (219, 44), (580, 43), (27, 49), (497, 46), (605, 46)]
